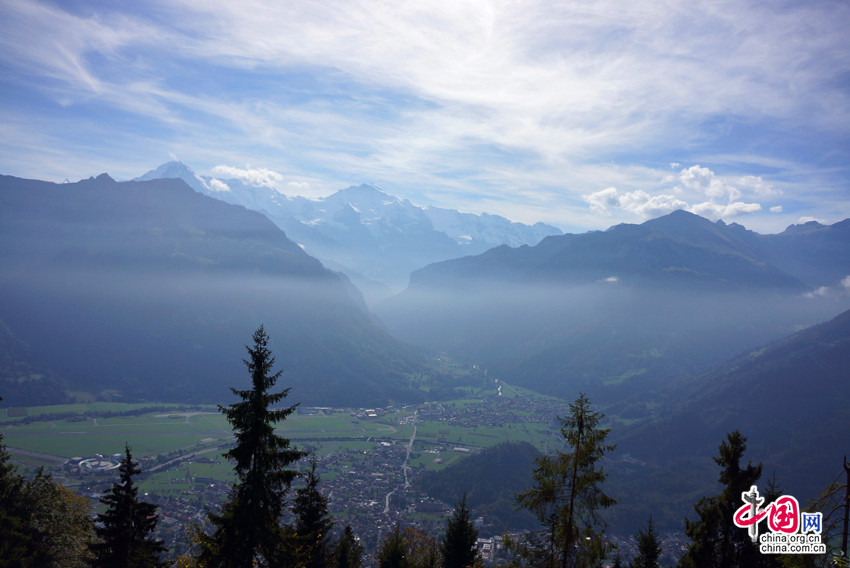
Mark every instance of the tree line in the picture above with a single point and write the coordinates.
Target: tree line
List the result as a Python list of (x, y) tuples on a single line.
[(42, 524)]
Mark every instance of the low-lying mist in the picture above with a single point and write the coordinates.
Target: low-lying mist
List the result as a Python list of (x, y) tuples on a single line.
[(605, 338)]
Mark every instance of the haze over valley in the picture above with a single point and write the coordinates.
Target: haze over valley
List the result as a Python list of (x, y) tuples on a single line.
[(565, 283), (140, 291)]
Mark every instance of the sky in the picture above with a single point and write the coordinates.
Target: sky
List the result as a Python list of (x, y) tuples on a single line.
[(582, 114)]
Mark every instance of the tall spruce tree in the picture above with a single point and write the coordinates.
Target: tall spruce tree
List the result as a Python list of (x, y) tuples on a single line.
[(18, 546), (393, 551), (247, 532), (715, 540), (567, 496), (459, 547), (313, 523), (125, 530), (348, 553), (649, 548)]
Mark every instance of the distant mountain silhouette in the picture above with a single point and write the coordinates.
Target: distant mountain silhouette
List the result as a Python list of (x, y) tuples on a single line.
[(375, 238), (679, 249), (617, 311), (152, 290)]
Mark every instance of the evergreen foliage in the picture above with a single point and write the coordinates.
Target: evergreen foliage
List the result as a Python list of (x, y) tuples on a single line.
[(649, 548), (247, 532), (459, 547), (393, 551), (124, 530), (715, 540), (313, 523), (348, 553), (17, 546), (567, 495), (489, 480), (42, 524)]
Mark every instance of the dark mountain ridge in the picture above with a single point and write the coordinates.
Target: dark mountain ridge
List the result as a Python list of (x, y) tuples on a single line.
[(791, 399), (151, 289), (678, 249), (615, 312)]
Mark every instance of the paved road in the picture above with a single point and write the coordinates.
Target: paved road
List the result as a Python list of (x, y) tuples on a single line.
[(57, 459), (404, 466)]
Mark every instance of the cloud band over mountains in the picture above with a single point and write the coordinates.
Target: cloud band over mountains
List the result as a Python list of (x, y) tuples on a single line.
[(723, 196), (520, 109)]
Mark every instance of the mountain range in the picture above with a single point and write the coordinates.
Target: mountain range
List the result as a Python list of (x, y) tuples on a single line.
[(679, 328), (151, 290), (375, 238), (618, 311)]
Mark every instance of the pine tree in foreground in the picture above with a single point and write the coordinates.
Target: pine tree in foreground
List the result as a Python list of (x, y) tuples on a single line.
[(313, 523), (247, 531), (649, 548), (715, 540), (348, 553), (125, 529), (17, 543), (567, 495), (393, 551), (460, 545)]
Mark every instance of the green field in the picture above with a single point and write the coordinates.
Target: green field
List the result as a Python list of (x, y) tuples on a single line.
[(182, 446)]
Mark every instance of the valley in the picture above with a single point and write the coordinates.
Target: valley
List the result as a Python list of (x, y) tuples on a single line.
[(370, 460), (679, 330)]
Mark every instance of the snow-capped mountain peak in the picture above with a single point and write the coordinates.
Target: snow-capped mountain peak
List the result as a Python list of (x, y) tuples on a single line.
[(374, 237)]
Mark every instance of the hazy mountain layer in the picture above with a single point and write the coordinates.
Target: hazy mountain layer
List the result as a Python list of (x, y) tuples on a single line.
[(616, 312), (375, 238), (152, 289), (791, 399)]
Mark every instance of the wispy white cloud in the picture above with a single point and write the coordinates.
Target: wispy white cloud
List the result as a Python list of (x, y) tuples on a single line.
[(527, 106), (724, 211), (218, 185), (258, 177)]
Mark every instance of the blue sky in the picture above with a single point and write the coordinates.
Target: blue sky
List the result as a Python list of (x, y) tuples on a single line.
[(578, 113)]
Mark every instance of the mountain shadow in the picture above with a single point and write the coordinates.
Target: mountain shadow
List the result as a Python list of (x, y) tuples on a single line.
[(791, 399), (617, 312), (151, 290)]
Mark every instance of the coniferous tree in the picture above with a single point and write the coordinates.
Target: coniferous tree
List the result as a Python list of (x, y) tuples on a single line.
[(649, 548), (124, 530), (715, 540), (393, 551), (313, 523), (59, 522), (247, 532), (17, 545), (618, 561), (459, 547), (567, 495), (348, 553), (42, 524)]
